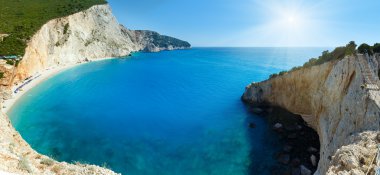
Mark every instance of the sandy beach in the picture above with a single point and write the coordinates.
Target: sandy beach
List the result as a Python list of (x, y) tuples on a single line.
[(36, 79)]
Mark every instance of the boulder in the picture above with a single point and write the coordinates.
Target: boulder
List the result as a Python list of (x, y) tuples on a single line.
[(277, 126), (313, 160), (312, 150), (349, 161)]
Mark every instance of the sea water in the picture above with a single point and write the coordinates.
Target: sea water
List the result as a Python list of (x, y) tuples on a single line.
[(172, 112)]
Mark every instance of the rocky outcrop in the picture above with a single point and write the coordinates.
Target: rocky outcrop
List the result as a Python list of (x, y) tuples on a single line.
[(151, 41), (340, 100), (89, 35)]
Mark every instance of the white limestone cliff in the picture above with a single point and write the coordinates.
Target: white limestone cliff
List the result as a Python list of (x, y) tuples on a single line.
[(89, 35), (340, 100), (85, 36)]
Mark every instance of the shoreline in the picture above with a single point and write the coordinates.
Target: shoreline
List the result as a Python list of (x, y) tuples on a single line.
[(40, 77)]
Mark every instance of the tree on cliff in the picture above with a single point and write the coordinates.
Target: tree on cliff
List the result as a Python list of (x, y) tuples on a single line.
[(376, 48), (351, 48), (22, 19), (365, 48)]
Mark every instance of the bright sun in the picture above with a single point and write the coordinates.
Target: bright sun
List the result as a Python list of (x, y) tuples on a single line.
[(290, 19), (287, 23)]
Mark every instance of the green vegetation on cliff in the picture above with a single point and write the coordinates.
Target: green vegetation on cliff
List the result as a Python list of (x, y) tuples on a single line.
[(163, 41), (21, 19), (337, 54)]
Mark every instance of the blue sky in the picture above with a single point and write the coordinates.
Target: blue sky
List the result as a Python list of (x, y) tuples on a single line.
[(325, 23)]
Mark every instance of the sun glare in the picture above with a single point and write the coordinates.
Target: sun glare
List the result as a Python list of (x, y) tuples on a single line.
[(290, 19), (287, 23)]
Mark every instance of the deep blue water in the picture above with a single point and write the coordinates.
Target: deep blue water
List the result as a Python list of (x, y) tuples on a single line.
[(176, 112)]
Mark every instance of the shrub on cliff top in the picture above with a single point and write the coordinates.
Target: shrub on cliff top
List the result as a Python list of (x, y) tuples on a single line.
[(21, 19), (336, 54), (365, 48), (376, 48), (351, 48)]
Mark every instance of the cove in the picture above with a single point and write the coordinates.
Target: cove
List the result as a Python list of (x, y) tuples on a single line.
[(176, 112)]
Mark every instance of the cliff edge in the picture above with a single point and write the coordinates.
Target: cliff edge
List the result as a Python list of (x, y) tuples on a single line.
[(85, 36), (93, 34), (339, 99)]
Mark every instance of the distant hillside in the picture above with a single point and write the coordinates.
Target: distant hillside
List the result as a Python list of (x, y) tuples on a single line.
[(20, 19), (155, 40)]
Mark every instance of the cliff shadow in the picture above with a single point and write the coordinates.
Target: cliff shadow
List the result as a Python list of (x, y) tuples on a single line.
[(296, 145)]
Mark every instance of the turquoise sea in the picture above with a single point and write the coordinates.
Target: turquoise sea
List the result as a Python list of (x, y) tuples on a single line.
[(172, 112)]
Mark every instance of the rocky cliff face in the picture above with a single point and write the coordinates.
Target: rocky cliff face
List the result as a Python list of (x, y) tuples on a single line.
[(89, 35), (340, 100)]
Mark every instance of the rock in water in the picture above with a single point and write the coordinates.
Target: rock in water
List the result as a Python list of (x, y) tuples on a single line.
[(277, 126), (312, 150), (313, 160), (320, 91), (304, 170)]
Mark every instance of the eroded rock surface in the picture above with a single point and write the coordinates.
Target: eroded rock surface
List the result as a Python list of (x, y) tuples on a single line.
[(340, 100)]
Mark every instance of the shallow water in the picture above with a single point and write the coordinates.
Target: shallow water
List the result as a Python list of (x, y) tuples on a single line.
[(176, 112)]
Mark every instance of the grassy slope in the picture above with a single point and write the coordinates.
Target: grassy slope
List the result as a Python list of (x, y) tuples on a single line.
[(22, 18)]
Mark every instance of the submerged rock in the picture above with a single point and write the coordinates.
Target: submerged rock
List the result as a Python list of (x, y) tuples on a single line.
[(335, 101), (277, 126), (304, 170), (312, 150), (313, 160)]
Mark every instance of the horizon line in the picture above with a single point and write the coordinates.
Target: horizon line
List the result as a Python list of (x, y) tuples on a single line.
[(264, 46)]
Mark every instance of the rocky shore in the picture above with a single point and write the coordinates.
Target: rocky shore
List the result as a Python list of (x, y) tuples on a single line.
[(300, 143), (340, 100)]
